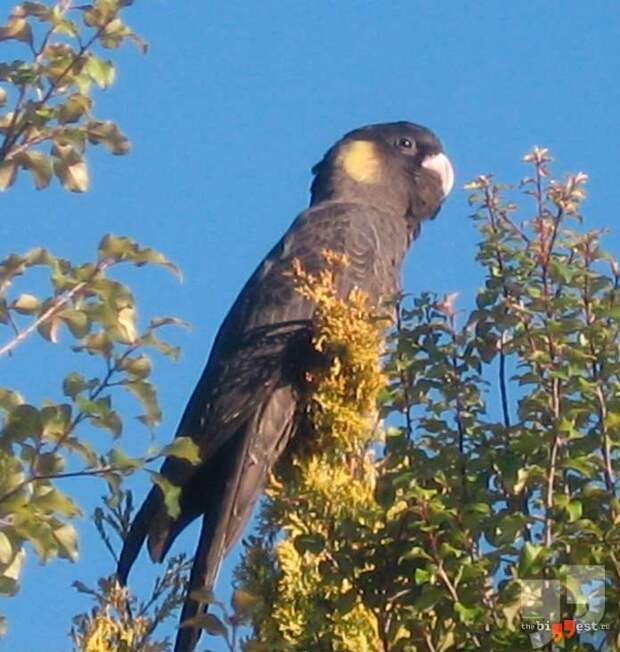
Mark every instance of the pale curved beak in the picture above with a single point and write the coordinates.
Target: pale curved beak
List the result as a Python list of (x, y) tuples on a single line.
[(440, 164)]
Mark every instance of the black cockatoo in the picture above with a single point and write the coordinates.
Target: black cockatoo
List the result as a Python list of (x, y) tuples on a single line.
[(370, 194)]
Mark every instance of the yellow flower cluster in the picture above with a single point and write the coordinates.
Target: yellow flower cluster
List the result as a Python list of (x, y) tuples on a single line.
[(332, 481), (109, 627), (351, 336)]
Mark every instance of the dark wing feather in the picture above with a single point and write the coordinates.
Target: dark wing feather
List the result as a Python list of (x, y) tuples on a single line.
[(223, 524), (245, 406)]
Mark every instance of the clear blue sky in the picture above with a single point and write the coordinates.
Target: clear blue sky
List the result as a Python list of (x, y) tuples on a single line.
[(228, 112)]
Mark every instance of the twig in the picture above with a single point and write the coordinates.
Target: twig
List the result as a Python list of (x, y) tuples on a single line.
[(403, 376), (490, 203), (56, 306), (503, 387), (447, 582), (610, 480), (16, 115), (94, 393), (84, 473), (552, 464), (12, 136), (42, 318), (429, 642)]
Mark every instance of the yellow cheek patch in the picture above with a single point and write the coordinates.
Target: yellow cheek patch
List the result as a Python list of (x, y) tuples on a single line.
[(360, 161)]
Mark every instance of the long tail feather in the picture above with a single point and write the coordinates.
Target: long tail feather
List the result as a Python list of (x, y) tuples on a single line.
[(212, 545), (204, 573)]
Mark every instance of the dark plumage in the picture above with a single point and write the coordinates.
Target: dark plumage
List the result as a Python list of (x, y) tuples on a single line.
[(370, 193)]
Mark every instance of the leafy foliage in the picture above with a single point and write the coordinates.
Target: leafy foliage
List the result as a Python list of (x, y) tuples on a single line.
[(45, 129), (430, 547), (49, 89), (42, 445)]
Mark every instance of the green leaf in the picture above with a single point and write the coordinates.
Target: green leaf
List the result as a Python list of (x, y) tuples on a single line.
[(156, 258), (83, 449), (485, 298), (39, 165), (422, 576), (140, 43), (74, 383), (172, 352), (9, 399), (115, 247), (74, 108), (82, 588), (183, 448), (66, 152), (50, 500), (120, 460), (509, 525), (144, 391), (416, 552), (8, 174), (24, 421), (100, 71), (6, 549), (25, 304), (49, 464), (110, 421), (74, 176), (467, 615), (123, 248), (16, 28), (38, 10), (575, 510), (114, 34), (475, 513), (96, 343), (124, 330), (429, 597), (580, 463), (56, 420), (66, 537), (158, 322), (93, 407), (171, 493), (10, 575), (93, 16), (138, 367), (108, 134), (77, 321), (66, 26), (530, 554)]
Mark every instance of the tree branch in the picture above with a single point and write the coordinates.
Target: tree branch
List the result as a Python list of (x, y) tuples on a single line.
[(57, 305)]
